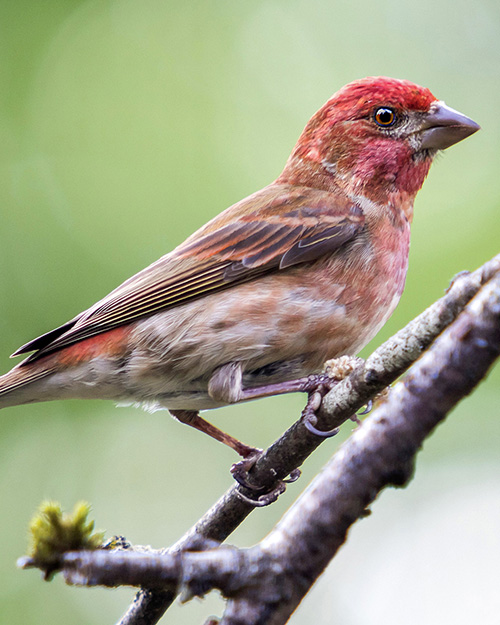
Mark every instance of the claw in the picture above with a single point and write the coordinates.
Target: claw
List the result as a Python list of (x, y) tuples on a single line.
[(367, 408), (322, 433), (293, 477), (240, 474), (240, 470), (309, 418), (267, 498)]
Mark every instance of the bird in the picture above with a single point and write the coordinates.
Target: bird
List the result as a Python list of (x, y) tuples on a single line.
[(253, 303)]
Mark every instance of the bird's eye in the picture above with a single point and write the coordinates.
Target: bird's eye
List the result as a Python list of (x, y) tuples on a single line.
[(384, 117)]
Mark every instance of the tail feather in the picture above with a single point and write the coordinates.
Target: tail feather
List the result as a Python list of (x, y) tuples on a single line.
[(12, 384)]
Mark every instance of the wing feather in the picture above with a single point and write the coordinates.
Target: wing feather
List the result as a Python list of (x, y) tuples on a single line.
[(213, 259)]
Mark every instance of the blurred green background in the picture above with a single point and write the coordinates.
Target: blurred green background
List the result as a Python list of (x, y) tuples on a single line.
[(126, 125)]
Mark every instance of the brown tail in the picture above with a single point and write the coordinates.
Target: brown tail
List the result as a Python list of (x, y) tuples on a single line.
[(13, 383)]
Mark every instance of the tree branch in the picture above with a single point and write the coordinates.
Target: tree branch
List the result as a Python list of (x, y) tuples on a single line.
[(272, 577), (383, 367)]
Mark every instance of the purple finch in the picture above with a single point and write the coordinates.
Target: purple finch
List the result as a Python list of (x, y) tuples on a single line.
[(305, 270)]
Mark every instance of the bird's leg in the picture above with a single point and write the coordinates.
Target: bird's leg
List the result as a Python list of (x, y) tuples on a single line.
[(335, 370), (225, 386), (192, 418), (249, 454), (300, 385)]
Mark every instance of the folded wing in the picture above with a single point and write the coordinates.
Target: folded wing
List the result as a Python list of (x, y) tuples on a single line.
[(275, 236)]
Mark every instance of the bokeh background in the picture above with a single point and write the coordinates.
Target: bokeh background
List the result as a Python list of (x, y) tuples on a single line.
[(123, 127)]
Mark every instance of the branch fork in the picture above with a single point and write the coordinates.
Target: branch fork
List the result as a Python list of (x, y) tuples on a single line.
[(460, 335)]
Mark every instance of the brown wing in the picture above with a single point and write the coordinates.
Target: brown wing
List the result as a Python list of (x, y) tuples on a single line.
[(225, 252)]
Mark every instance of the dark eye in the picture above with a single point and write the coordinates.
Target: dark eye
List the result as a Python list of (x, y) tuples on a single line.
[(384, 117)]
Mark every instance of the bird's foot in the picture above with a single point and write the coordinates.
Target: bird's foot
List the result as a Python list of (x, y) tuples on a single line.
[(240, 474), (265, 499), (334, 371), (262, 497), (240, 470), (308, 416)]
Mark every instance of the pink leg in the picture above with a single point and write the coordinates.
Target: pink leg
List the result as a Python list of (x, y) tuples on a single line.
[(301, 385), (192, 418)]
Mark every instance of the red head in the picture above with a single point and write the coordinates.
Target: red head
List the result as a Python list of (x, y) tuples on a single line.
[(374, 137)]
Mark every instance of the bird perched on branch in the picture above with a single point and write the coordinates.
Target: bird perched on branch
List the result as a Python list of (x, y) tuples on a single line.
[(307, 269)]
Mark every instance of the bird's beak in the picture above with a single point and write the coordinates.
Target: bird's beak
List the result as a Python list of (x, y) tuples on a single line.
[(443, 126)]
